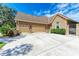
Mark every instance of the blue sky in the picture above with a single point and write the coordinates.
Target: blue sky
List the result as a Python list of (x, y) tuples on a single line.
[(70, 10)]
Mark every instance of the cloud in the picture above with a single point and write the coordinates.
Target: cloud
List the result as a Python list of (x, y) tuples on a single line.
[(38, 13), (63, 5), (47, 11), (74, 16), (69, 9), (72, 8), (49, 15)]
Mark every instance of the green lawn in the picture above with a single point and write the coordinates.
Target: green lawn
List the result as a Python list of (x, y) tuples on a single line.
[(2, 44)]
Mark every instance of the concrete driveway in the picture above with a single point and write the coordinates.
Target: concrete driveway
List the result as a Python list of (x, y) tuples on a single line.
[(45, 44)]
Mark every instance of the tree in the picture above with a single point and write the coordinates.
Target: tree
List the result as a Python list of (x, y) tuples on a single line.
[(4, 29), (7, 14)]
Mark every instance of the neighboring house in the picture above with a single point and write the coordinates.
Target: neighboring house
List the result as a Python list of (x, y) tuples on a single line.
[(29, 23)]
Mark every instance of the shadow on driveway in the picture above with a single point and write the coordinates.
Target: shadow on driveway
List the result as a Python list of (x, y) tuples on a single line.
[(10, 39)]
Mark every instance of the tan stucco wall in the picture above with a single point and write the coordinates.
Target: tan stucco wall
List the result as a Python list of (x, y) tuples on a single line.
[(23, 27), (77, 29), (62, 23)]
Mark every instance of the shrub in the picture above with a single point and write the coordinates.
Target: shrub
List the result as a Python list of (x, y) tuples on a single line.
[(4, 30), (16, 33), (6, 27), (58, 31), (9, 23), (10, 33)]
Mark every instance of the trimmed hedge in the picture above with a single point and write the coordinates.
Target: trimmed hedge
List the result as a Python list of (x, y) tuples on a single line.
[(58, 31)]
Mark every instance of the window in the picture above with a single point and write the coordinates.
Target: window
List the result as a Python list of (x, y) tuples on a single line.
[(57, 25)]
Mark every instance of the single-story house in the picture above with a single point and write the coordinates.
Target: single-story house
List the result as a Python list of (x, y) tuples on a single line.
[(29, 23)]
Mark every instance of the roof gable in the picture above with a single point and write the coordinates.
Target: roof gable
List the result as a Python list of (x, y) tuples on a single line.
[(62, 16)]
